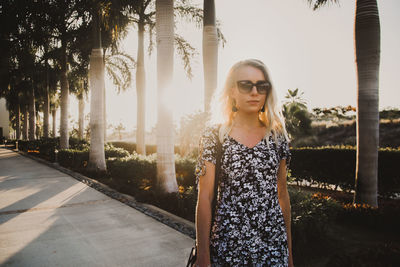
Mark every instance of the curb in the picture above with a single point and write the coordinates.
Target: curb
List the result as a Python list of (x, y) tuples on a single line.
[(181, 225)]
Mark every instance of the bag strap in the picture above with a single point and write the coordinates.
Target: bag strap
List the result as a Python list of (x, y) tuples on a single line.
[(216, 179)]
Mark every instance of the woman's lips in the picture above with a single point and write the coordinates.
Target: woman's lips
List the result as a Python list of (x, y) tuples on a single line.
[(253, 102)]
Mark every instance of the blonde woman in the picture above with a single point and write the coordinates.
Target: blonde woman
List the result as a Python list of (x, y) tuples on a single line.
[(251, 226)]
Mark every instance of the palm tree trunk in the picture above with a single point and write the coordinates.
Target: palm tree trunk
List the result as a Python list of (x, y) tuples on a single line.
[(32, 114), (64, 135), (210, 52), (18, 122), (38, 129), (165, 60), (141, 94), (367, 43), (96, 74), (104, 110), (53, 115), (81, 117), (96, 154), (46, 108), (25, 126)]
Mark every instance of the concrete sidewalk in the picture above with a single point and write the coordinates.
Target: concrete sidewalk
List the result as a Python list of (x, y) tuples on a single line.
[(47, 218)]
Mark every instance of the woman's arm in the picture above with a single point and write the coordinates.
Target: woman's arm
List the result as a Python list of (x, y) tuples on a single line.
[(203, 214), (284, 201)]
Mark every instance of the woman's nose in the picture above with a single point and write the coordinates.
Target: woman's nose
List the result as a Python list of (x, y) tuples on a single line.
[(254, 90)]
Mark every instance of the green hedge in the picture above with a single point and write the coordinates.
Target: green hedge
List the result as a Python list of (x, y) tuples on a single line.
[(131, 147), (46, 147), (324, 165), (78, 159), (115, 152), (137, 168), (133, 169), (10, 143), (336, 165), (184, 168), (73, 158)]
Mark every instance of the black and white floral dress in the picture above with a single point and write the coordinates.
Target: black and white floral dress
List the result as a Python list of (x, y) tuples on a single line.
[(249, 228)]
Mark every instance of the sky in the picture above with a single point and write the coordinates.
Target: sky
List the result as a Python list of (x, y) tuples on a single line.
[(302, 48)]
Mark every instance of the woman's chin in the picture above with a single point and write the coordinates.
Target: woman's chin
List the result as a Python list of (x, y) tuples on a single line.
[(251, 110)]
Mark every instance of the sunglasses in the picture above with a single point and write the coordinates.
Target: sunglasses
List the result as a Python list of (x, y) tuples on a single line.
[(246, 86)]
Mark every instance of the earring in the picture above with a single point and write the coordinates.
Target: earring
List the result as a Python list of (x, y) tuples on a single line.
[(263, 109), (234, 108)]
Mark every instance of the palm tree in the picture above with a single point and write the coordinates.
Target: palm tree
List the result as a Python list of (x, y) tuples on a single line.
[(66, 19), (141, 93), (81, 120), (108, 21), (46, 110), (32, 112), (96, 76), (47, 89), (165, 61), (294, 97), (210, 52), (367, 46), (54, 105)]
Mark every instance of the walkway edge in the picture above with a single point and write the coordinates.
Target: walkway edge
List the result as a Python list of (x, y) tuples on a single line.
[(184, 226)]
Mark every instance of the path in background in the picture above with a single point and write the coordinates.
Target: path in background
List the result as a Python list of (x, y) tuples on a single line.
[(47, 218)]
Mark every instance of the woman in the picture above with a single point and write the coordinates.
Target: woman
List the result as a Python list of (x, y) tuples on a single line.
[(251, 226)]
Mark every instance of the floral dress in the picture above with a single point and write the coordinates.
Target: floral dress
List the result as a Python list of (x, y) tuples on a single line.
[(249, 228)]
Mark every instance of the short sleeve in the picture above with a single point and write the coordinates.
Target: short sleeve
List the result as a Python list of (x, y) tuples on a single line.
[(207, 151), (284, 150)]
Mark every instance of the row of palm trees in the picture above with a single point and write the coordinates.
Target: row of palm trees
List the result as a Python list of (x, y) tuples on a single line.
[(50, 55)]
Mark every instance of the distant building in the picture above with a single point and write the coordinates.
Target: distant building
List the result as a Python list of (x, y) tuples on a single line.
[(4, 120)]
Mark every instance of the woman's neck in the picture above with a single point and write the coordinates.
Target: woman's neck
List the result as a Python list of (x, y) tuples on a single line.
[(247, 121)]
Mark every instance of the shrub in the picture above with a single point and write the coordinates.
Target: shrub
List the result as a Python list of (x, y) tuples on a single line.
[(10, 143), (76, 143), (336, 165), (47, 148), (133, 168), (73, 158), (311, 217), (115, 152), (131, 147), (184, 168), (28, 146), (77, 159)]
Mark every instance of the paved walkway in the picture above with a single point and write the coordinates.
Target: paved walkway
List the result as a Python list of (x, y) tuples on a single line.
[(48, 218)]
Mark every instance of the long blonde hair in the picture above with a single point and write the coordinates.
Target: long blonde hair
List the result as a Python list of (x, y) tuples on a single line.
[(221, 105)]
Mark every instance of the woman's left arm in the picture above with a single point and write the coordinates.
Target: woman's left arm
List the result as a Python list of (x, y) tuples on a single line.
[(284, 201)]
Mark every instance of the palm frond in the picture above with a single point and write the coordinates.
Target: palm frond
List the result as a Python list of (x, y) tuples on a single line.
[(221, 37), (187, 53), (119, 68), (316, 4), (190, 13)]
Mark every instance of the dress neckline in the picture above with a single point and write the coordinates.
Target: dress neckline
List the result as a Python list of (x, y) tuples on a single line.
[(245, 145)]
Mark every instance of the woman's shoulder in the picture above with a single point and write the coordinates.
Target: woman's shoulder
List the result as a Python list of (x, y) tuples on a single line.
[(211, 130), (280, 137)]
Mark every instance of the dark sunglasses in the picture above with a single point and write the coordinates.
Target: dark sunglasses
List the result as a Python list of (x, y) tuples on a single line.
[(246, 86)]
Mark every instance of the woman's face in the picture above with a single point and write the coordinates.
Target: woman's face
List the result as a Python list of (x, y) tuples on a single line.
[(250, 101)]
